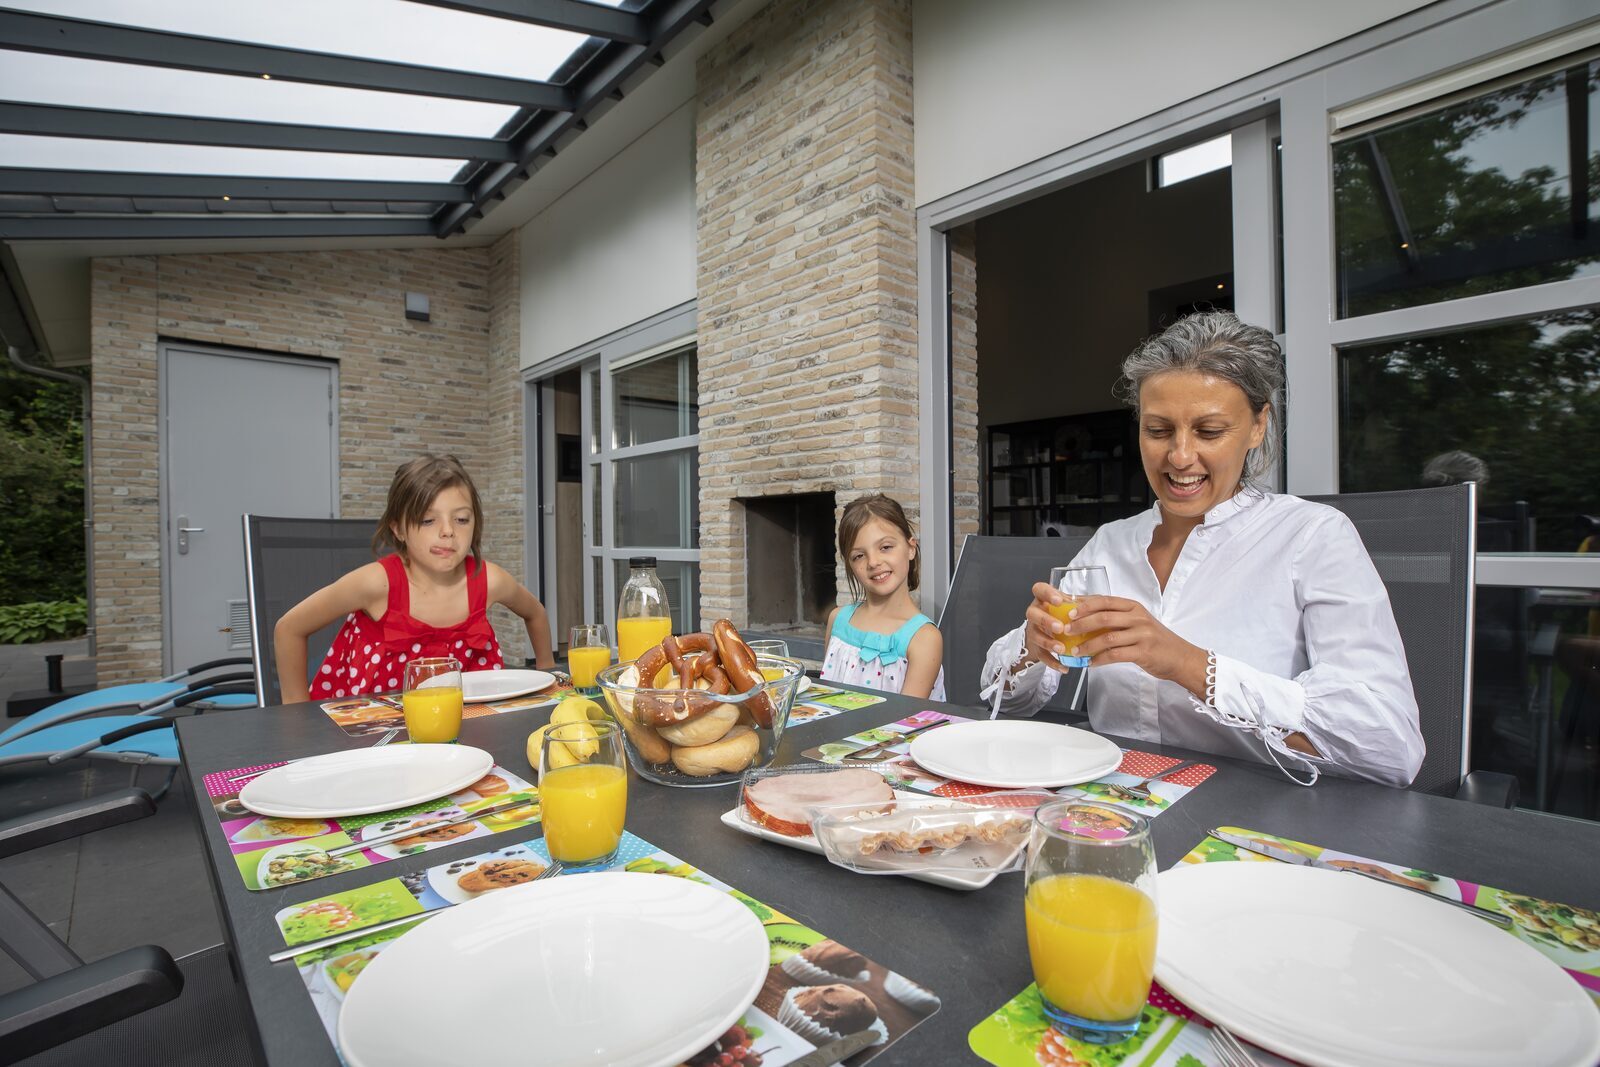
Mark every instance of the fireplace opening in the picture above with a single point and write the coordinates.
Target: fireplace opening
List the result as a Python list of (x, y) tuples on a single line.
[(789, 581)]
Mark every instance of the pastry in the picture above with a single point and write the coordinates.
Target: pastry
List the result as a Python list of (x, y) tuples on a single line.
[(499, 874), (826, 962), (823, 1013)]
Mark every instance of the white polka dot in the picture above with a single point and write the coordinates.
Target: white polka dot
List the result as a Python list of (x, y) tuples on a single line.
[(483, 659), (340, 693), (376, 657), (367, 649), (350, 617), (460, 643), (497, 666), (327, 685), (402, 657), (394, 683), (326, 668), (416, 648)]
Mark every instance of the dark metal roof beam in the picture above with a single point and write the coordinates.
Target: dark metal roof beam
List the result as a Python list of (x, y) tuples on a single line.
[(148, 227), (125, 44), (606, 74), (129, 183), (595, 20), (52, 121)]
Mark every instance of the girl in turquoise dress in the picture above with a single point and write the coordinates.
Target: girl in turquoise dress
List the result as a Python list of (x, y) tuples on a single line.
[(882, 641)]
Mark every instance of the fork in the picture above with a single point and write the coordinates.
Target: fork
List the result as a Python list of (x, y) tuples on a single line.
[(1142, 790), (1229, 1049)]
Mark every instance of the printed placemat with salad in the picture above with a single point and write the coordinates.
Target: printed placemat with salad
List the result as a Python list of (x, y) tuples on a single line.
[(271, 852), (891, 747), (773, 1032), (1170, 1035)]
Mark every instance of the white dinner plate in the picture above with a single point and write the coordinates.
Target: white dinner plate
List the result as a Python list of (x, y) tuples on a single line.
[(1012, 754), (480, 686), (1335, 971), (631, 970), (365, 780)]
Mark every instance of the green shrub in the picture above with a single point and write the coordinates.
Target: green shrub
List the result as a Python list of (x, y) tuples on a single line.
[(46, 620)]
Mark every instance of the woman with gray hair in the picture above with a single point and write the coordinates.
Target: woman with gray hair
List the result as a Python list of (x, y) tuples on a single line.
[(1245, 622)]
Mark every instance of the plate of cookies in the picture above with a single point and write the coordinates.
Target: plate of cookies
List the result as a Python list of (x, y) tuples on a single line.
[(469, 879)]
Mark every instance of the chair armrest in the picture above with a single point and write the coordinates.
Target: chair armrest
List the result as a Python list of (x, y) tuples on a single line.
[(39, 828), (232, 661), (66, 1006), (1489, 787)]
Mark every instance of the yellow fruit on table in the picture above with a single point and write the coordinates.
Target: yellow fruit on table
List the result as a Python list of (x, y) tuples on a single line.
[(560, 755), (576, 709)]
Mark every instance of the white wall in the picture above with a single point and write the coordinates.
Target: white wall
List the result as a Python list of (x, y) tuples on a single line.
[(1004, 82), (615, 249)]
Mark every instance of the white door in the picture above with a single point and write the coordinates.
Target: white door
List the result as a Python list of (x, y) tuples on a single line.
[(240, 433)]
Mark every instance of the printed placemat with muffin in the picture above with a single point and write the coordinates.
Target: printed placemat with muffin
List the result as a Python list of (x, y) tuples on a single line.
[(816, 991), (890, 748), (1170, 1035), (273, 852), (379, 713)]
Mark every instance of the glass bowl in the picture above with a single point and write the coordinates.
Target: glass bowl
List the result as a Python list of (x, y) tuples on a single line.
[(722, 761)]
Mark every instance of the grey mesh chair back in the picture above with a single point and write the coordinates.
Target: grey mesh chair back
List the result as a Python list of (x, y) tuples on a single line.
[(989, 596), (1423, 542), (286, 560)]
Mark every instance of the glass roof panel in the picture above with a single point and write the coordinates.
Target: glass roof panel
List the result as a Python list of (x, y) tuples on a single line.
[(44, 79), (72, 153), (375, 29)]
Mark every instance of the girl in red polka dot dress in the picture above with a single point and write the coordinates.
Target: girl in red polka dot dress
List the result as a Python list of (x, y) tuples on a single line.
[(429, 597)]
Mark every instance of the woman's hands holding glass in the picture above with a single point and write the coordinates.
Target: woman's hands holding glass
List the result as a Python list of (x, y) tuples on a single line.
[(1120, 631)]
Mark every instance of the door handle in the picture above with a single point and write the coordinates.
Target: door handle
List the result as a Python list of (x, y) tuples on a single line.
[(184, 530)]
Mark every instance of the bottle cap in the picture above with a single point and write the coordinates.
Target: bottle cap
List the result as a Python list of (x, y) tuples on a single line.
[(641, 561)]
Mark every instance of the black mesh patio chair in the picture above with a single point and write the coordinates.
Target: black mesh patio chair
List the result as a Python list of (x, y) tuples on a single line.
[(286, 560), (137, 1006)]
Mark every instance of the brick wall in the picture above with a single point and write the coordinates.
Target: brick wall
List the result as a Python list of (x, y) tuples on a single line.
[(345, 306), (807, 269), (967, 451)]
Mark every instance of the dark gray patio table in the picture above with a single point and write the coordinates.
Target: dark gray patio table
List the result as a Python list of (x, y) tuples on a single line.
[(968, 947)]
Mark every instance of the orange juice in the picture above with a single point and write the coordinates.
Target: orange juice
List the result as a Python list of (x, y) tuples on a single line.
[(1070, 641), (772, 674), (637, 636), (1093, 945), (433, 715), (585, 662), (583, 808)]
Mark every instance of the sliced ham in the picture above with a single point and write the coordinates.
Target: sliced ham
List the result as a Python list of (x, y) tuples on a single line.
[(781, 803)]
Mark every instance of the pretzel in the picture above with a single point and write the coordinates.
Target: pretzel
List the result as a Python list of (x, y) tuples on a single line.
[(743, 671)]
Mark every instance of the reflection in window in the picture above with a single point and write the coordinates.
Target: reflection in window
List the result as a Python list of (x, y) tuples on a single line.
[(1536, 694), (1515, 407), (656, 401), (658, 501), (1492, 193)]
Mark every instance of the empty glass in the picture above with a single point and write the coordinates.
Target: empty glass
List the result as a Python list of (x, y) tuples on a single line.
[(1091, 917), (1075, 583)]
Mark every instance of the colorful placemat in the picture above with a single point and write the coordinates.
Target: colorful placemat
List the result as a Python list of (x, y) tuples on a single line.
[(768, 1035), (273, 852), (896, 765), (381, 712), (1170, 1035)]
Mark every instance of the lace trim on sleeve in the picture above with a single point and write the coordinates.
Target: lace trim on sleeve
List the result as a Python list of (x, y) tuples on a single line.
[(1273, 737)]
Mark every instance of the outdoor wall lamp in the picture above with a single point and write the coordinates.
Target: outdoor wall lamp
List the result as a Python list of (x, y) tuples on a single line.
[(417, 307)]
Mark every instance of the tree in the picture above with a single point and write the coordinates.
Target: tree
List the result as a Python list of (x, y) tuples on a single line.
[(41, 489)]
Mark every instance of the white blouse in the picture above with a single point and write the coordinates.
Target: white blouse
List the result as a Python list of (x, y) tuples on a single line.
[(1283, 595)]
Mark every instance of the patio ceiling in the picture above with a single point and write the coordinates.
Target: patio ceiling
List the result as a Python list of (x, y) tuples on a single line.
[(183, 119)]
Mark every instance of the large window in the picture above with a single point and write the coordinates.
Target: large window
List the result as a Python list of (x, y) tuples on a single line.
[(641, 480), (1494, 192), (1466, 241)]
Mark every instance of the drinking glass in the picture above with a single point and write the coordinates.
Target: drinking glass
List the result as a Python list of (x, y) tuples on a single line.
[(1091, 917), (588, 653), (1075, 583), (583, 792), (773, 647), (432, 700)]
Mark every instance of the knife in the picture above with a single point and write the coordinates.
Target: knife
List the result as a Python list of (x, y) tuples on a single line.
[(1284, 855), (516, 800), (835, 1051)]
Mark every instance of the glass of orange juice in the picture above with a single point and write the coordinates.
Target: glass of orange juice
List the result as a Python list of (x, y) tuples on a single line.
[(1075, 583), (1091, 917), (432, 700), (588, 653), (583, 793)]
